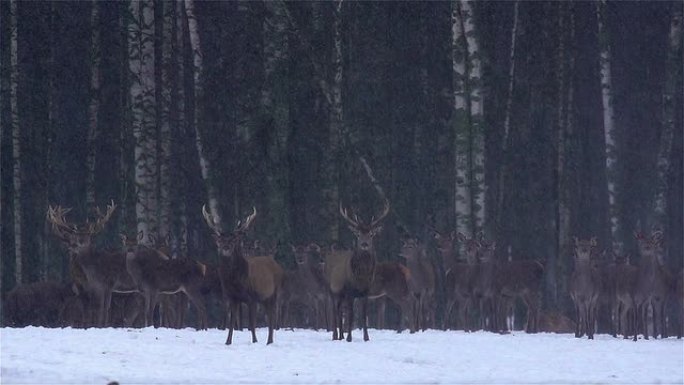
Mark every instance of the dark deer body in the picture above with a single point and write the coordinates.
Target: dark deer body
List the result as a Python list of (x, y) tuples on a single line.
[(585, 284), (306, 285), (652, 283), (487, 287), (392, 282), (421, 282), (154, 274), (626, 278), (104, 271), (459, 278), (522, 279), (246, 280), (36, 304), (350, 274)]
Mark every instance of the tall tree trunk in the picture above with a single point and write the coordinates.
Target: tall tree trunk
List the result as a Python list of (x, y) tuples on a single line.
[(674, 68), (198, 90), (125, 161), (609, 131), (565, 114), (477, 183), (503, 170), (94, 106), (141, 64), (49, 138), (462, 198), (178, 103), (16, 144), (167, 84), (274, 117)]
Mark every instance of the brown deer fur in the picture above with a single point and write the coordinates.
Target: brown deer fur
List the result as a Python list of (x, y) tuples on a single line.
[(246, 280), (392, 282), (585, 284), (422, 282), (104, 271), (522, 279), (652, 283), (153, 274), (350, 274), (459, 278)]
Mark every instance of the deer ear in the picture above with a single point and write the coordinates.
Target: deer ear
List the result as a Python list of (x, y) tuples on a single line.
[(638, 235), (593, 241), (480, 236), (461, 237), (377, 230), (294, 249), (314, 247), (141, 235), (493, 245), (576, 240), (123, 238), (453, 235), (657, 236)]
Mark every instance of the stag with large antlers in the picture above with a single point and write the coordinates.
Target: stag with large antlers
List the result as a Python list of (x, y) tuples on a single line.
[(246, 280), (351, 274), (101, 272)]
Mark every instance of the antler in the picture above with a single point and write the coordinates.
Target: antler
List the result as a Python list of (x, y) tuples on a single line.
[(102, 218), (55, 215), (211, 221), (385, 211), (243, 226), (352, 222)]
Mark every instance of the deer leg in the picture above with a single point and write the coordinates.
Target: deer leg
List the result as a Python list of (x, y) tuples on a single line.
[(234, 305), (350, 318), (271, 314), (334, 318), (364, 311), (196, 298), (105, 306), (251, 310)]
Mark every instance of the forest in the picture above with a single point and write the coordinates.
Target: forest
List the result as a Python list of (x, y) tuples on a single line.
[(533, 122)]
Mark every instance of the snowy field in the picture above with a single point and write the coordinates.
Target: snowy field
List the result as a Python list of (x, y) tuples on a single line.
[(146, 356)]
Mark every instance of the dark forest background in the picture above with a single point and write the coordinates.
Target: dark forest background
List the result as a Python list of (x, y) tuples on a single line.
[(277, 134)]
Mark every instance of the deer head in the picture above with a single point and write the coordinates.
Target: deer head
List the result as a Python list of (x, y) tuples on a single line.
[(410, 248), (77, 238), (585, 248), (487, 251), (363, 231), (471, 246), (650, 246), (229, 244)]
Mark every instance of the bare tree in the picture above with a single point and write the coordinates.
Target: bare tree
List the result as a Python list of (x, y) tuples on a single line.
[(609, 129), (93, 106), (16, 144)]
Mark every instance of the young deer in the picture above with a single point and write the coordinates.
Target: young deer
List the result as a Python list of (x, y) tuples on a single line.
[(246, 280), (350, 274), (154, 274), (305, 285), (421, 282), (652, 283), (626, 277), (102, 272), (459, 277), (585, 284)]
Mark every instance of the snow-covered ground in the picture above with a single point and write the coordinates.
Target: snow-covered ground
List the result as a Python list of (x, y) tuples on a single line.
[(137, 356)]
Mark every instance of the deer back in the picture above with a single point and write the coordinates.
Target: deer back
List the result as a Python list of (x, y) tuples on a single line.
[(265, 276)]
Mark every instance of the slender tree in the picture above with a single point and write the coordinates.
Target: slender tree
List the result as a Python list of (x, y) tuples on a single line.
[(198, 97), (462, 192), (674, 68), (16, 144), (609, 129), (94, 105), (179, 120), (167, 77)]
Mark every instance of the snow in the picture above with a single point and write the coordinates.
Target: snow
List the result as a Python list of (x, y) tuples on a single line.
[(133, 356)]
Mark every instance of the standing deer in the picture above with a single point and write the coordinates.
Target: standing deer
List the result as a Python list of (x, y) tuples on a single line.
[(521, 279), (350, 274), (102, 272), (246, 280), (392, 282), (585, 284), (305, 285), (488, 285), (652, 283), (421, 282), (154, 273), (626, 277), (459, 277)]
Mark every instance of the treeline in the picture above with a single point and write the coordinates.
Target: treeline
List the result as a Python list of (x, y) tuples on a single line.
[(531, 121)]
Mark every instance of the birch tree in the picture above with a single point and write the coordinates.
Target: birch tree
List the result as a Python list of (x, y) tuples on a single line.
[(609, 130), (198, 90), (142, 91), (674, 68), (462, 197), (179, 120), (167, 77), (16, 144), (94, 106), (475, 118)]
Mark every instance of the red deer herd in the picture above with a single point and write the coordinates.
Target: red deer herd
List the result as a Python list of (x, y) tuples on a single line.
[(479, 289)]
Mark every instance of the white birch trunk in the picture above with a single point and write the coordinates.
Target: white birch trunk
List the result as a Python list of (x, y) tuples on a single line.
[(93, 107), (474, 87), (198, 89), (141, 65), (462, 197), (609, 131), (16, 144), (667, 134), (179, 107)]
